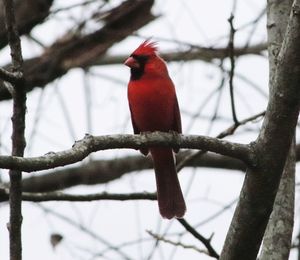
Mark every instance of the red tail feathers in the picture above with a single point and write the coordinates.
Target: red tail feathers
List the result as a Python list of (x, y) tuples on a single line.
[(170, 199)]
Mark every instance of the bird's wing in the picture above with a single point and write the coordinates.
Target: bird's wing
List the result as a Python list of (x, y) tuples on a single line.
[(135, 128), (177, 120)]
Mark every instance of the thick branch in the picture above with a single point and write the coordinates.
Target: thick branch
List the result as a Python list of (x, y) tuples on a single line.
[(261, 184), (89, 144), (76, 50), (104, 171), (28, 14), (87, 50), (278, 236)]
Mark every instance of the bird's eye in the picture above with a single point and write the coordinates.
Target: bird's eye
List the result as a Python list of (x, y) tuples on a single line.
[(140, 58)]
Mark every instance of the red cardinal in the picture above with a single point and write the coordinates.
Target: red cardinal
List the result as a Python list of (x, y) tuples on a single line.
[(154, 107)]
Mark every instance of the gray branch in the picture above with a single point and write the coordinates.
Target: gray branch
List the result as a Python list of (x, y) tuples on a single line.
[(28, 14), (278, 235), (104, 171), (59, 196), (78, 49), (261, 182), (18, 130), (199, 53), (81, 149), (11, 77)]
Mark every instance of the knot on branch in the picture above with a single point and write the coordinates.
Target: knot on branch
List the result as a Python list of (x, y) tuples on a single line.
[(296, 9)]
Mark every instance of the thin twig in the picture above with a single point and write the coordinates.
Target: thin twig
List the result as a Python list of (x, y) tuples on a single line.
[(232, 67), (197, 114), (217, 102), (229, 131), (217, 213), (160, 238), (255, 23), (211, 251), (84, 229), (18, 139)]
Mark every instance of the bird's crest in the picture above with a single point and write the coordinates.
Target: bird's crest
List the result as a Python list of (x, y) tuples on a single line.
[(148, 47)]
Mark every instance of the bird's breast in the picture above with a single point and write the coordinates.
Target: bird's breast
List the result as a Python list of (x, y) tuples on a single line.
[(152, 104)]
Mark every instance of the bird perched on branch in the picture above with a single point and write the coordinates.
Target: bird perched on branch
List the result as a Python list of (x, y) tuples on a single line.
[(154, 107)]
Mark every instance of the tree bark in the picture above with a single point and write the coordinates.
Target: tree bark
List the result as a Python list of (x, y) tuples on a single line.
[(261, 182), (18, 134), (77, 50), (28, 14), (278, 235)]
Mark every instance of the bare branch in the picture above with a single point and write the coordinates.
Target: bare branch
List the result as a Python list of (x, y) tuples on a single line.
[(211, 251), (11, 77), (227, 132), (278, 236), (163, 239), (104, 171), (199, 53), (231, 51), (18, 129), (86, 231), (59, 196), (38, 73), (28, 14), (230, 130), (261, 184), (82, 50), (89, 144)]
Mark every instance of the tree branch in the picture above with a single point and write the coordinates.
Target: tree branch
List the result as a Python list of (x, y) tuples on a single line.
[(160, 238), (18, 129), (199, 53), (231, 50), (59, 196), (104, 171), (28, 14), (81, 149), (211, 251), (278, 236), (261, 183), (11, 77), (82, 50), (38, 74), (229, 131), (83, 228)]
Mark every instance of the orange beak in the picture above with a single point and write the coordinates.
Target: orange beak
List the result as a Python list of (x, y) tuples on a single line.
[(132, 63)]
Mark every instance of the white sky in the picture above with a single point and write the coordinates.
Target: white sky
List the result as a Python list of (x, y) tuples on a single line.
[(202, 23)]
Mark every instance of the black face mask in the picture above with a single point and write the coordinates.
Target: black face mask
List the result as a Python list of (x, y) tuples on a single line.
[(137, 73)]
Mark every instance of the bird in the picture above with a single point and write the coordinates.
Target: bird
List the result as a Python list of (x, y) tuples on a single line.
[(154, 107)]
